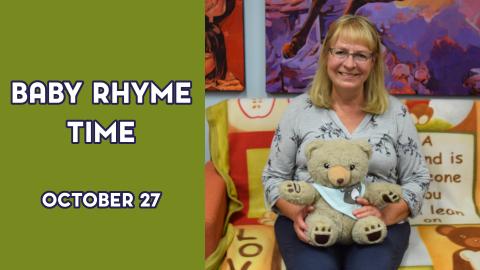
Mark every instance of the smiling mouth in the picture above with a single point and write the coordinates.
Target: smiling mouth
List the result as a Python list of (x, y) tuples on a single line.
[(348, 74)]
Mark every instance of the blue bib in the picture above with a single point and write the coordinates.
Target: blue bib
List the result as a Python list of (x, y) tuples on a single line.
[(342, 200)]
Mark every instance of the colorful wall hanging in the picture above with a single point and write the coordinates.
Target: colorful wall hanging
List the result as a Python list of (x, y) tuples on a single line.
[(444, 235), (432, 48), (224, 46)]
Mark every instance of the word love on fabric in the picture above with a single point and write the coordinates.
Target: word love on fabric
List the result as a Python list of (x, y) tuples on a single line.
[(103, 93)]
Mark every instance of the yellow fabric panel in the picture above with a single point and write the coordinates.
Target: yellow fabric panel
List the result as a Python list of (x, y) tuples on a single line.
[(218, 130), (253, 248), (218, 136), (218, 126), (256, 160)]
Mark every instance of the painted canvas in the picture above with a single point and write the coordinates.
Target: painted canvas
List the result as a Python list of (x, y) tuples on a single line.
[(432, 48), (224, 46)]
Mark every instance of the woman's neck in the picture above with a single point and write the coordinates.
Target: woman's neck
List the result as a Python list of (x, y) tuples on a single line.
[(348, 100), (348, 106)]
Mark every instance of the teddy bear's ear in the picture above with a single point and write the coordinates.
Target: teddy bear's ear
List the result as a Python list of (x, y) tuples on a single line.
[(313, 146), (445, 229), (364, 146)]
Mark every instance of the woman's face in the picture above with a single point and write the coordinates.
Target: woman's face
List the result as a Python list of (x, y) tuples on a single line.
[(346, 65)]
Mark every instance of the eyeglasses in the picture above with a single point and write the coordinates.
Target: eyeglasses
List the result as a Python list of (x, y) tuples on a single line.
[(359, 57)]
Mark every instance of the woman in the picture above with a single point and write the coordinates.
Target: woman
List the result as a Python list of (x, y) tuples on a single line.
[(347, 99)]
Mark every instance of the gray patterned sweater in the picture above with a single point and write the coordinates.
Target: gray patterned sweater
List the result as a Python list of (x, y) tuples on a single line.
[(396, 157)]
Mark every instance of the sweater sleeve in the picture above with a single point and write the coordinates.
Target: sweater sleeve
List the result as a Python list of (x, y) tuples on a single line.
[(282, 159), (413, 173)]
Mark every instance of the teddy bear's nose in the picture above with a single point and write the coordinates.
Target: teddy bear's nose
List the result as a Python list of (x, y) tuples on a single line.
[(340, 181)]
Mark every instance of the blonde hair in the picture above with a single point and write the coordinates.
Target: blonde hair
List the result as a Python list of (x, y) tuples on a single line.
[(355, 29)]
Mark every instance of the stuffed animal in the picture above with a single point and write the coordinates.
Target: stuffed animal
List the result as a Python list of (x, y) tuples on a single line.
[(468, 257), (338, 169)]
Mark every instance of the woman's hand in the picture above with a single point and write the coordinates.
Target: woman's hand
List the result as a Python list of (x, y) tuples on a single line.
[(297, 214), (367, 209), (299, 224), (390, 214)]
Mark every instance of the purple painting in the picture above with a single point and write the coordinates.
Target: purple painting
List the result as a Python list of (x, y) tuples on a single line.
[(430, 47)]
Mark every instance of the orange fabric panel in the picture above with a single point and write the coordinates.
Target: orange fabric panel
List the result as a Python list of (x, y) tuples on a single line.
[(215, 208)]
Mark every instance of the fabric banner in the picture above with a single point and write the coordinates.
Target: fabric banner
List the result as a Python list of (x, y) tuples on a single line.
[(445, 235)]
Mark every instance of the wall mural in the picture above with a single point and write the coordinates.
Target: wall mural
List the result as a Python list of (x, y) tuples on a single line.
[(432, 48), (224, 47)]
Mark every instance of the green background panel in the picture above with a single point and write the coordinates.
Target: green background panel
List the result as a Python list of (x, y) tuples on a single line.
[(101, 40)]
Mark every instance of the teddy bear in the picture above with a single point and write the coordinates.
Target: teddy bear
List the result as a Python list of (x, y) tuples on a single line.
[(338, 169), (468, 257)]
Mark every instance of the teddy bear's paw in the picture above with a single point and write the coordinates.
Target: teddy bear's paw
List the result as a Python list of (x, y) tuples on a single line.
[(293, 191), (390, 197), (322, 233), (369, 230), (322, 236), (293, 187)]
